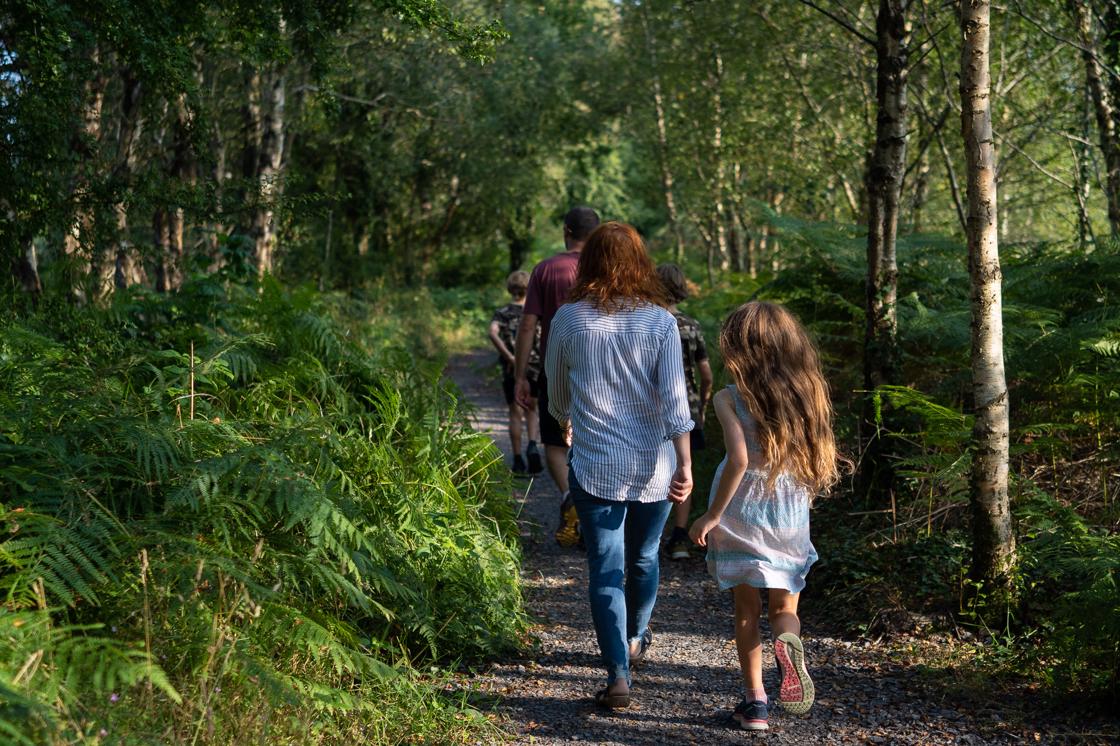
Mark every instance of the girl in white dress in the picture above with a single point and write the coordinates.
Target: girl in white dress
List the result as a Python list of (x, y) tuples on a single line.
[(777, 428)]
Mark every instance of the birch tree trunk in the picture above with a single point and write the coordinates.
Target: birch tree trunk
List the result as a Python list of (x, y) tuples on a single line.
[(1103, 107), (252, 130), (25, 269), (885, 173), (1084, 173), (922, 167), (170, 225), (246, 197), (667, 180), (719, 176), (993, 541), (78, 242), (118, 265), (269, 186)]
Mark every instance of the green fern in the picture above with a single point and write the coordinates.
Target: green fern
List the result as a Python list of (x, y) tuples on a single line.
[(324, 520)]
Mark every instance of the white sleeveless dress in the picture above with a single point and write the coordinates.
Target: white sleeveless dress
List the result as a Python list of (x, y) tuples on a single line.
[(762, 539)]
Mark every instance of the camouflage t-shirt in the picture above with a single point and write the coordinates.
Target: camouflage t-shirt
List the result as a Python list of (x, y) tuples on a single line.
[(694, 351), (509, 321)]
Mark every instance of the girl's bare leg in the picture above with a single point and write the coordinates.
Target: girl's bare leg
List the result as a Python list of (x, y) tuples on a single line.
[(748, 610), (797, 691), (783, 612)]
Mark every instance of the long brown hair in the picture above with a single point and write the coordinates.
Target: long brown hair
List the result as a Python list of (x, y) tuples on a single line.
[(615, 271), (778, 374)]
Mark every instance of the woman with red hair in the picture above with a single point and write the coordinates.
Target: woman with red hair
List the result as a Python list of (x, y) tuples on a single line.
[(615, 372)]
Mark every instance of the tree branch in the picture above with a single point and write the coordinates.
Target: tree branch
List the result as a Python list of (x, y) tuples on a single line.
[(849, 27), (342, 96), (1041, 169), (1018, 10)]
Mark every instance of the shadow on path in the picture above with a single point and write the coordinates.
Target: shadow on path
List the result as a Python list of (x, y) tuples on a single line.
[(684, 692)]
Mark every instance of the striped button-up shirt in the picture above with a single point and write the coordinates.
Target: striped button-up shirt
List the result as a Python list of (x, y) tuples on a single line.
[(619, 378)]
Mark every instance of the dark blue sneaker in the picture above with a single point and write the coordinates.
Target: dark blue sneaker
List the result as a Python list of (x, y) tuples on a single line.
[(751, 715)]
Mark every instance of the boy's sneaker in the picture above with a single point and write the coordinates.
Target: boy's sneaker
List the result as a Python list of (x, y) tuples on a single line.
[(567, 534), (518, 464), (751, 715), (533, 456), (797, 688), (679, 546)]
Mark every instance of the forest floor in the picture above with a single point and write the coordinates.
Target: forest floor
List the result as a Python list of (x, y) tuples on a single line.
[(898, 691)]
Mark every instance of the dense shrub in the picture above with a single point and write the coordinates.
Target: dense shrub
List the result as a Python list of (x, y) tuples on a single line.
[(1062, 343), (272, 534)]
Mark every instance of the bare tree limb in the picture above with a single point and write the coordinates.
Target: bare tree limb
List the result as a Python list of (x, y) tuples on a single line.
[(342, 96), (923, 146), (845, 24), (1018, 10), (1041, 169)]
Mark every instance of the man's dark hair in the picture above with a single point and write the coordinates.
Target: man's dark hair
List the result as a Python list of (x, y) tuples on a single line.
[(674, 281), (580, 222)]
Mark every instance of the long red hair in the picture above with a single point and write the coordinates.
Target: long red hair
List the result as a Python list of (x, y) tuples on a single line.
[(615, 271)]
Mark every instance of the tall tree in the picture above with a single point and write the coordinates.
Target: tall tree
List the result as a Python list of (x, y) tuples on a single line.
[(717, 235), (663, 158), (993, 541), (168, 221), (78, 240), (268, 176), (881, 357), (120, 265), (1103, 96)]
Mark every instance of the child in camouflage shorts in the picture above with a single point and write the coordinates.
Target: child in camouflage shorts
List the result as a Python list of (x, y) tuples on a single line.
[(698, 380), (503, 333)]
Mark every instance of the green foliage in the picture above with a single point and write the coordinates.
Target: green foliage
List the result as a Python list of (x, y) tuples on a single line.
[(284, 517), (1071, 569), (1061, 328)]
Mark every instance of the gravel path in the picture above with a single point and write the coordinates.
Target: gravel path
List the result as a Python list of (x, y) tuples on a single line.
[(683, 694)]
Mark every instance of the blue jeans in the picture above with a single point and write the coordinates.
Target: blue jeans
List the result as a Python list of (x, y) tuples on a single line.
[(622, 541)]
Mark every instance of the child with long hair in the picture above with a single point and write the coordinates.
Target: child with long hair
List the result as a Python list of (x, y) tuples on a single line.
[(777, 428)]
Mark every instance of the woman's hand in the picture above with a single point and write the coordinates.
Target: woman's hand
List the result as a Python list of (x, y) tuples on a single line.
[(681, 486), (699, 531)]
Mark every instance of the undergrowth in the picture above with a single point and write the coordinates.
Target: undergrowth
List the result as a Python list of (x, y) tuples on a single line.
[(1062, 343), (238, 510)]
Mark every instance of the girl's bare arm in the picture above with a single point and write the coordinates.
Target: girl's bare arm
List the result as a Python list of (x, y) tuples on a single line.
[(736, 444)]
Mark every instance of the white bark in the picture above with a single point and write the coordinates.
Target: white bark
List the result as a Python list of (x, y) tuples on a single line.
[(1103, 108), (993, 538), (78, 242), (268, 175), (719, 177), (667, 179), (119, 265)]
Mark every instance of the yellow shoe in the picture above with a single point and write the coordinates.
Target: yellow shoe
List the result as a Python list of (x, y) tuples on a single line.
[(567, 535)]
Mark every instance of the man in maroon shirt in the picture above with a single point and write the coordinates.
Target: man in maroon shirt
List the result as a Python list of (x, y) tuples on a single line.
[(549, 286)]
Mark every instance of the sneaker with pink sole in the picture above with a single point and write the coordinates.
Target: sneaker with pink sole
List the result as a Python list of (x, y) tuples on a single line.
[(797, 688)]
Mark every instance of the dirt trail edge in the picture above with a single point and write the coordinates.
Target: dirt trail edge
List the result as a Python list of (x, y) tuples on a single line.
[(685, 690)]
